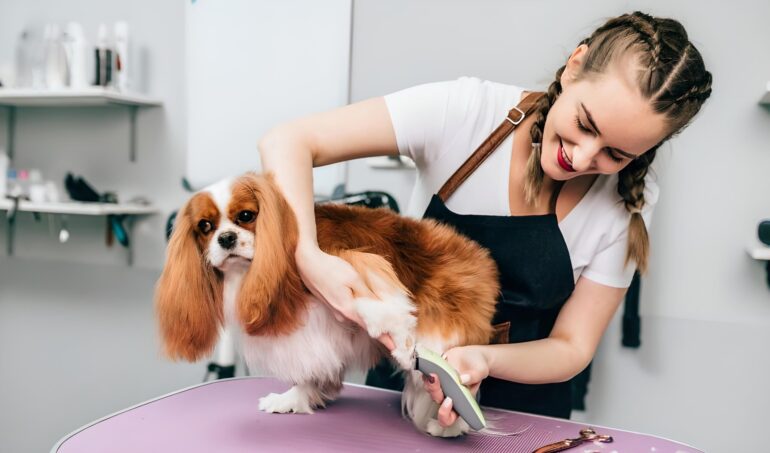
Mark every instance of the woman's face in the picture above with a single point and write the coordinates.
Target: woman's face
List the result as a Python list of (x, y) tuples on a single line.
[(598, 124)]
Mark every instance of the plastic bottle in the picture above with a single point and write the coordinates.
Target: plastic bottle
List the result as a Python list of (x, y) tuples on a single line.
[(36, 188), (14, 189), (23, 69), (54, 58), (75, 48), (22, 180), (103, 58), (121, 56)]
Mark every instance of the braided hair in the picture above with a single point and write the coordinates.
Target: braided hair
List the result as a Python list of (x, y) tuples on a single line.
[(671, 76)]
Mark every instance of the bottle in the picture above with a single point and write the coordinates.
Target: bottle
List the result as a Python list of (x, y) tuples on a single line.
[(23, 69), (54, 58), (14, 190), (36, 188), (103, 58), (75, 48), (22, 182), (121, 56), (4, 163)]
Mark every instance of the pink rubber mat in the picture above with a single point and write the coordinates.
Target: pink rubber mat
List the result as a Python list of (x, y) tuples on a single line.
[(223, 416)]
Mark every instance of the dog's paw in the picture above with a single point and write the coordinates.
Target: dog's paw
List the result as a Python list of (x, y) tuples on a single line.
[(404, 352), (395, 316), (291, 401), (458, 428)]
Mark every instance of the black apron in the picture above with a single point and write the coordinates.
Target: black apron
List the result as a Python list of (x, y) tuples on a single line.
[(535, 276)]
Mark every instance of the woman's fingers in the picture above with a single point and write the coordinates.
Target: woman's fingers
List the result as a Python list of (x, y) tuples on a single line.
[(433, 387), (446, 416)]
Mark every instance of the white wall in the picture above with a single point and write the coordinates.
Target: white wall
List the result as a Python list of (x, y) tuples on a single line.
[(701, 373), (241, 84)]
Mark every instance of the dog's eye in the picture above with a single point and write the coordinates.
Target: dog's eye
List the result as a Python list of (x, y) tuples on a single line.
[(245, 216), (205, 226)]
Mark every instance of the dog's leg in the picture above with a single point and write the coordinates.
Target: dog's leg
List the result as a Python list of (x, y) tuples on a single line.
[(388, 308), (417, 405), (392, 315), (300, 399)]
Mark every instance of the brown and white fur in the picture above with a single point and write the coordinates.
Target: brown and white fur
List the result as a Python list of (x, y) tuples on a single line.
[(231, 261)]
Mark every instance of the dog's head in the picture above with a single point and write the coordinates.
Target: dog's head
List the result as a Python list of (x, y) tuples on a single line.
[(235, 226)]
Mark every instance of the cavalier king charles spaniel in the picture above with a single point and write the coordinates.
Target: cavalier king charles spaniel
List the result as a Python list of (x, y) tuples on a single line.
[(230, 261)]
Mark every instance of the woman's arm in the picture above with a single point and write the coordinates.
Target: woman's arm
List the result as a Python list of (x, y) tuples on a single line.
[(570, 346), (565, 353), (291, 150)]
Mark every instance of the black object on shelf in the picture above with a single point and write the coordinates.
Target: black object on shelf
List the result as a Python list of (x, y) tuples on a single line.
[(369, 199), (79, 189), (763, 231)]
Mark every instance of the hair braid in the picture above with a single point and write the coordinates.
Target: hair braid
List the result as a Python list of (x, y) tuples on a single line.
[(670, 73), (533, 183), (631, 189)]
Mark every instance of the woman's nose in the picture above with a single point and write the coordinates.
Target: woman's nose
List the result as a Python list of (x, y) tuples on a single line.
[(584, 156)]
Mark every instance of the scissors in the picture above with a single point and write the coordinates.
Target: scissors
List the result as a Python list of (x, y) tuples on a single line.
[(586, 435)]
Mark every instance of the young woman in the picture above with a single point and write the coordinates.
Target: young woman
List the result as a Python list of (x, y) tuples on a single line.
[(561, 203)]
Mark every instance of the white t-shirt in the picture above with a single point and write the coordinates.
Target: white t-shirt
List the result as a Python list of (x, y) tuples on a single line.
[(438, 125)]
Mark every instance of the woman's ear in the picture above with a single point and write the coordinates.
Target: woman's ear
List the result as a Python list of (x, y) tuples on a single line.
[(574, 65), (272, 286), (188, 296)]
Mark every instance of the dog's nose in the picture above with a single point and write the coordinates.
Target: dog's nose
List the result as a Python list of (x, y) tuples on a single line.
[(227, 240)]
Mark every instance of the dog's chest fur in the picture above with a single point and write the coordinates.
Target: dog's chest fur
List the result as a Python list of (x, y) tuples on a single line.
[(320, 350)]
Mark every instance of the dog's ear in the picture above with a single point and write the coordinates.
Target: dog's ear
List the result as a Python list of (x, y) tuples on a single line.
[(188, 296), (272, 291)]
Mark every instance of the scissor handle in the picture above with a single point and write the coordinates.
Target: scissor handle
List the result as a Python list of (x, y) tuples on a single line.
[(559, 446)]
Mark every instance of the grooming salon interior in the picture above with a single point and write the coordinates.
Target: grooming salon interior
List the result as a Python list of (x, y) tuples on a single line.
[(113, 115)]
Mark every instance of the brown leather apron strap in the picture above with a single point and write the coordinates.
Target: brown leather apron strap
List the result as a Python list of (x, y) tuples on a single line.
[(515, 116)]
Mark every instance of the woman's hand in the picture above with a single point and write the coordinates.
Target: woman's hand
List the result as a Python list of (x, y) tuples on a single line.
[(334, 281), (471, 364)]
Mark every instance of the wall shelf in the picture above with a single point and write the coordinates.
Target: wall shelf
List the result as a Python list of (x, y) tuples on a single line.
[(86, 97), (80, 208), (758, 251), (14, 98), (766, 97), (116, 213), (761, 252)]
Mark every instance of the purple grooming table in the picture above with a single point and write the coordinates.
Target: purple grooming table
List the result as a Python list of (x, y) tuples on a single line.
[(223, 416)]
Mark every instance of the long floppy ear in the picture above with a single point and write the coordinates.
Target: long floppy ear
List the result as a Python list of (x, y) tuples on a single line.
[(188, 296), (272, 295)]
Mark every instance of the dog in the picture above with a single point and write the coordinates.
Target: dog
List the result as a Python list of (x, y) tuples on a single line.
[(230, 261)]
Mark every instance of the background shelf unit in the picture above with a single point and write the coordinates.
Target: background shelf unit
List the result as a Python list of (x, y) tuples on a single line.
[(766, 97), (81, 208), (14, 98), (121, 210), (87, 97), (758, 251)]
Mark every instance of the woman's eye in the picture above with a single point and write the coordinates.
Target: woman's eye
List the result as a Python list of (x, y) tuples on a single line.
[(613, 156), (246, 216), (205, 226), (581, 126)]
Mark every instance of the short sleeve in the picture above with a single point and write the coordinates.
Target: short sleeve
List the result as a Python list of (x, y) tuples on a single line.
[(424, 115), (608, 266)]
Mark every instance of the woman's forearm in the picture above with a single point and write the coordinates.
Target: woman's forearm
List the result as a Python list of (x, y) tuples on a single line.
[(534, 362), (291, 162)]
